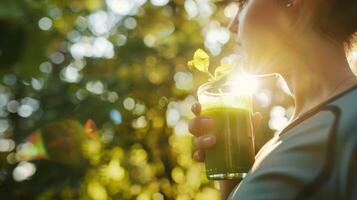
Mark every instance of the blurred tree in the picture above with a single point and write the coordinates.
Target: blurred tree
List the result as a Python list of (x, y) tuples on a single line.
[(110, 61)]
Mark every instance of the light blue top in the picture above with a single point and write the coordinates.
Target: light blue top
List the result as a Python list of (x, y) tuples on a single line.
[(313, 158)]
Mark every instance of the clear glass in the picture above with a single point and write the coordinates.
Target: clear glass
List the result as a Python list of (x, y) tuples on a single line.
[(231, 110)]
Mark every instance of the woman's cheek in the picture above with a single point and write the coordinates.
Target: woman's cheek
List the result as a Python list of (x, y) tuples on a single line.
[(259, 27)]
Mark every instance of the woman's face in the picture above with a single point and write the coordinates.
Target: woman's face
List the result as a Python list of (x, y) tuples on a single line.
[(263, 26)]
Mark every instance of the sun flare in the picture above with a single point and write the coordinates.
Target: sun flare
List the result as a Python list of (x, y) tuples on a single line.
[(246, 83)]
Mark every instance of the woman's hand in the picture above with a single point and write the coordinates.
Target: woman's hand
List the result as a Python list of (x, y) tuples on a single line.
[(200, 127)]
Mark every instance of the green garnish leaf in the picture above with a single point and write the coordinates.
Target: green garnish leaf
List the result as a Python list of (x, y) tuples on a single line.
[(200, 61)]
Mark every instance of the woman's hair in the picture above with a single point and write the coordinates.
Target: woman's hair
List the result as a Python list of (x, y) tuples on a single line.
[(338, 19), (335, 18)]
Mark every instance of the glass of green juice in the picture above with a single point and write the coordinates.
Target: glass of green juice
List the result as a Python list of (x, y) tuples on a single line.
[(231, 109)]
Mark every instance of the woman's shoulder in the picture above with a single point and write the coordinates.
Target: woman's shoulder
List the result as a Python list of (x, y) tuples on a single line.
[(344, 108), (346, 102), (305, 159), (288, 163), (346, 145)]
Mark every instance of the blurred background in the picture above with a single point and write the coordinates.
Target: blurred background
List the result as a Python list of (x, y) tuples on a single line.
[(95, 97)]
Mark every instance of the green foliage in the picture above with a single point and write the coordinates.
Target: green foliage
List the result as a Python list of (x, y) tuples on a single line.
[(137, 154)]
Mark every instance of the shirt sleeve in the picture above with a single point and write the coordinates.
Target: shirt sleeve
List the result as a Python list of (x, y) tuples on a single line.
[(288, 163), (286, 169)]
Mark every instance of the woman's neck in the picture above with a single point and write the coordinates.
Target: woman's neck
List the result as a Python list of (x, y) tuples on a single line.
[(321, 73)]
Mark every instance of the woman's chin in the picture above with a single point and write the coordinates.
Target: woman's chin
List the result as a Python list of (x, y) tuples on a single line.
[(259, 69), (256, 71)]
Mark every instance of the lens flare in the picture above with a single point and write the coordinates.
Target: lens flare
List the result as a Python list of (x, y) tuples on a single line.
[(245, 83), (64, 136), (32, 149)]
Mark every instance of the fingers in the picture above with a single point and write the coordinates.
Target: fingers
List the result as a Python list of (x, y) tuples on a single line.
[(199, 156), (198, 127), (205, 142), (256, 120), (201, 125), (196, 109), (202, 143)]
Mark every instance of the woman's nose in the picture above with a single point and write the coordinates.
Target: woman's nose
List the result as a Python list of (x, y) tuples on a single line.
[(233, 25)]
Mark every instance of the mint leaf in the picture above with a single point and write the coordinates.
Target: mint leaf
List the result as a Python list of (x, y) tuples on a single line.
[(200, 61)]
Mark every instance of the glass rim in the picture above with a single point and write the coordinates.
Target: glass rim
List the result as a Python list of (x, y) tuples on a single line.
[(204, 88)]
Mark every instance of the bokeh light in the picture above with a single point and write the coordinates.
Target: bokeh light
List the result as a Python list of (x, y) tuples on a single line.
[(45, 23), (23, 171), (6, 145), (159, 2)]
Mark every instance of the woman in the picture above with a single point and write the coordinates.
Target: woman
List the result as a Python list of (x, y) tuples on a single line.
[(315, 156)]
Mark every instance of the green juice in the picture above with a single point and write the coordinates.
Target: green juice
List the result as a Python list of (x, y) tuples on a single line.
[(233, 154)]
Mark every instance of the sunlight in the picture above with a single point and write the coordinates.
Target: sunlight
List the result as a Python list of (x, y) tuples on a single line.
[(246, 83)]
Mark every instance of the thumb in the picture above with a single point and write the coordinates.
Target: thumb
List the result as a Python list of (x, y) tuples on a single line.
[(256, 120)]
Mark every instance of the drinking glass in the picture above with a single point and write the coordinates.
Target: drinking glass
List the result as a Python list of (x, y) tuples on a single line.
[(231, 110)]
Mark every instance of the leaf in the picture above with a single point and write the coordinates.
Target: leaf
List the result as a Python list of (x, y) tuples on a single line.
[(223, 70), (200, 61)]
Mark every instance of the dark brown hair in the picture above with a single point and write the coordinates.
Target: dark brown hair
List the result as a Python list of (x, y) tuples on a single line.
[(338, 19), (335, 18)]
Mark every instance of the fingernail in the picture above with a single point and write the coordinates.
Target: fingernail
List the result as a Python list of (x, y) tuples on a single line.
[(195, 109)]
